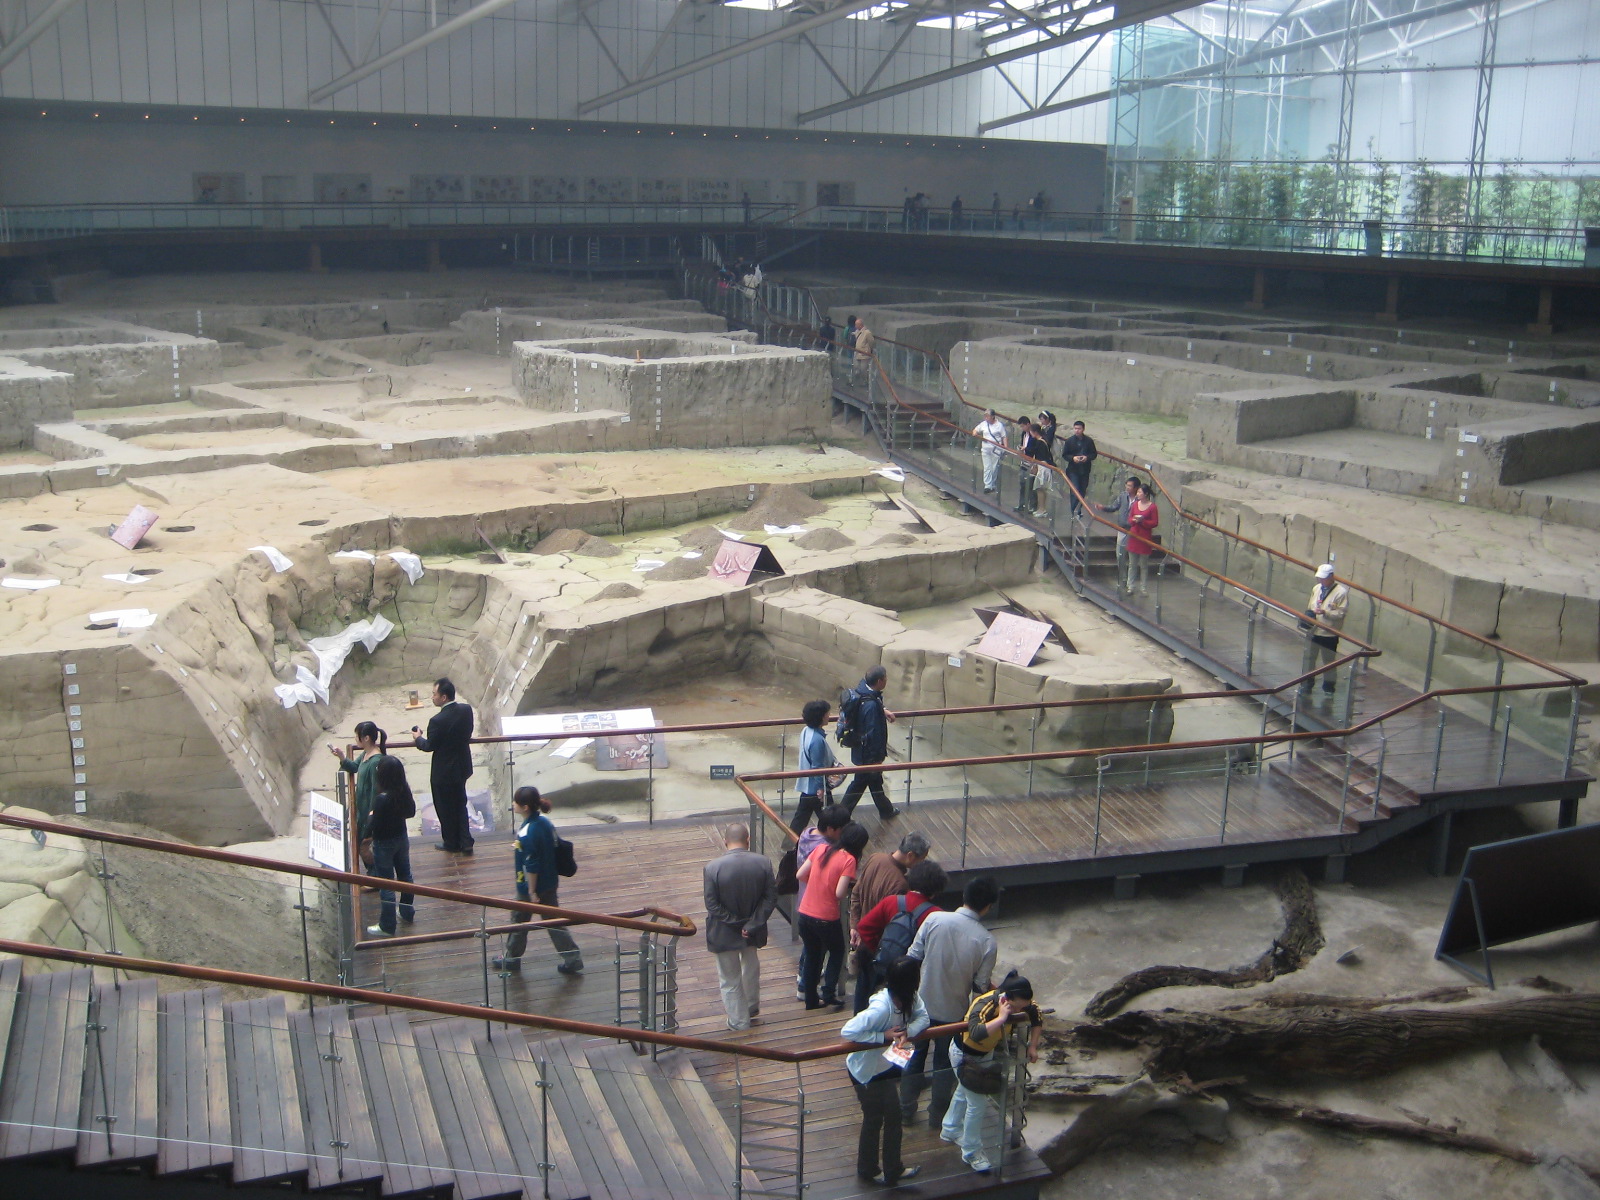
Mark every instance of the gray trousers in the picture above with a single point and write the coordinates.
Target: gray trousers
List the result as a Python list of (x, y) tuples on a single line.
[(561, 938)]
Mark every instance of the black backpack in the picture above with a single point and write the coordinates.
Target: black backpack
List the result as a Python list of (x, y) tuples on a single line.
[(844, 730), (566, 859), (899, 933)]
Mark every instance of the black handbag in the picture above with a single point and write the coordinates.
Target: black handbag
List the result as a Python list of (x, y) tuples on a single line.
[(788, 869), (984, 1075), (1305, 625)]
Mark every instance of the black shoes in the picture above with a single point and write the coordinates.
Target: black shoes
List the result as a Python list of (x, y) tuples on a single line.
[(451, 849), (505, 964)]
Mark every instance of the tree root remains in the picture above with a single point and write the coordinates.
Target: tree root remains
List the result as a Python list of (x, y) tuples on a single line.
[(1292, 949)]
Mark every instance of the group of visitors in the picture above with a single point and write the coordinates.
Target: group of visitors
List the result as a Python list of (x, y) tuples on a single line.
[(1037, 445), (855, 345)]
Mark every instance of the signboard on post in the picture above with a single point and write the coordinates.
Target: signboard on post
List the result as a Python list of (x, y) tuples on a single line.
[(327, 845), (737, 561), (722, 770), (1013, 639)]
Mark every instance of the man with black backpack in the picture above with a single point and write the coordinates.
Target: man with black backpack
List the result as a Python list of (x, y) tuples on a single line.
[(863, 729), (887, 929)]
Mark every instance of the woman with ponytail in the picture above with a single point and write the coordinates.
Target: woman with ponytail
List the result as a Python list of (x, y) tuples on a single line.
[(372, 744)]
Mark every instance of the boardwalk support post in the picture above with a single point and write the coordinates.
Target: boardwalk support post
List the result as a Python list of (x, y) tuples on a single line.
[(1439, 860), (1333, 868)]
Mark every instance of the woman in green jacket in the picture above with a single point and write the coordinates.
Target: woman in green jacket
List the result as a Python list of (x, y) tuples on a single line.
[(372, 744)]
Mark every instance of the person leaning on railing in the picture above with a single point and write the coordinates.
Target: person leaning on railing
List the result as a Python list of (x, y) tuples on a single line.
[(1329, 602), (894, 1016), (982, 1065), (1117, 510), (372, 744)]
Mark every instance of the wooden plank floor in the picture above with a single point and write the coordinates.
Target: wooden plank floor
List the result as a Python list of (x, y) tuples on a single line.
[(624, 866)]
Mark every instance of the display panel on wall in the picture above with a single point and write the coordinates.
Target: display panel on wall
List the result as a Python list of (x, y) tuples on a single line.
[(544, 189), (836, 193), (341, 189), (710, 191), (497, 189), (607, 190), (661, 191), (759, 190), (440, 189), (218, 187)]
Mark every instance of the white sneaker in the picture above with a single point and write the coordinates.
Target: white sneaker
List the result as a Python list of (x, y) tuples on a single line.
[(979, 1163), (378, 931)]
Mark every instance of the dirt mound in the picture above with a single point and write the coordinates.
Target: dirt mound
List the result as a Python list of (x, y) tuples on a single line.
[(779, 504), (824, 539), (896, 539), (706, 538), (575, 541), (618, 591), (681, 568)]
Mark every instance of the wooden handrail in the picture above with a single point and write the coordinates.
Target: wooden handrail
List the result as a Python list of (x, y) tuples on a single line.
[(443, 1008), (675, 924)]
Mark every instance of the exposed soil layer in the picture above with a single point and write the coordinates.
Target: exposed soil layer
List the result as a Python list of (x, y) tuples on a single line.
[(778, 504)]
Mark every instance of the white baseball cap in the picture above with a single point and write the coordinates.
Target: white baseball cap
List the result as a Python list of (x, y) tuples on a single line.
[(1325, 571)]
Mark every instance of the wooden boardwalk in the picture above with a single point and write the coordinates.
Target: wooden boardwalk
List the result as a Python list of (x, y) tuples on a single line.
[(628, 865)]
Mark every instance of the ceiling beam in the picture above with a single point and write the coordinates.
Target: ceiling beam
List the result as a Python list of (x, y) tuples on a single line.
[(727, 53), (1126, 15), (30, 32), (474, 14)]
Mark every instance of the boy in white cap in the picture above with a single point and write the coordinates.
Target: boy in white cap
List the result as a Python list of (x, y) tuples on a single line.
[(1330, 601)]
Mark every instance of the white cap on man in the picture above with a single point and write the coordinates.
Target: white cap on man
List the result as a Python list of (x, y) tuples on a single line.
[(1325, 571)]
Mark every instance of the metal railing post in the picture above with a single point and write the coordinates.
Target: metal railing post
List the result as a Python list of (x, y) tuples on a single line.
[(1572, 731), (1200, 609), (483, 948), (1427, 671), (1227, 790), (1499, 678), (1438, 744), (1149, 740), (783, 765), (1250, 637), (1100, 766), (801, 1113), (1344, 788), (1383, 753), (1294, 722), (910, 756), (966, 811), (1505, 745), (1033, 743), (1350, 691), (544, 1164), (650, 783)]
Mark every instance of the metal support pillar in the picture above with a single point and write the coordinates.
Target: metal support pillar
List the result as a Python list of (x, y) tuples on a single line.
[(1480, 110), (1439, 858), (314, 259)]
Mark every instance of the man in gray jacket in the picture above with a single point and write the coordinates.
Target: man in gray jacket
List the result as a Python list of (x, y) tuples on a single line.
[(740, 894)]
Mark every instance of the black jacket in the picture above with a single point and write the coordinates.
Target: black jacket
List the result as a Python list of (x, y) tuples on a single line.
[(389, 816), (1078, 443), (871, 726), (449, 740)]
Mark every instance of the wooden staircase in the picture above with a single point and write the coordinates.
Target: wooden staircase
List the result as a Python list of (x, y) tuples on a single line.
[(1343, 783), (97, 1075)]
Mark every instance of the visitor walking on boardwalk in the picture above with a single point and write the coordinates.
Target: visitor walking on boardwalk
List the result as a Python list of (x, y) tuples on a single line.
[(827, 874), (1077, 459), (1031, 448), (740, 896), (894, 1016), (865, 344), (372, 744), (830, 825), (983, 1065), (816, 791), (449, 740), (888, 928), (848, 347), (884, 874), (385, 826), (1329, 602), (828, 336), (991, 435), (957, 955), (864, 722), (538, 877), (1143, 517), (1117, 510)]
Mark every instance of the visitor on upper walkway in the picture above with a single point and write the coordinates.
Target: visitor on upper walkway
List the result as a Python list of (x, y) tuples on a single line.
[(816, 791), (957, 955), (537, 877), (991, 435), (955, 213), (740, 894), (1117, 510), (449, 740), (982, 1060), (828, 335), (1077, 459), (895, 1015), (372, 744), (1329, 602), (876, 946), (865, 343), (385, 834), (1044, 471), (1033, 451), (828, 874), (864, 722), (1143, 518)]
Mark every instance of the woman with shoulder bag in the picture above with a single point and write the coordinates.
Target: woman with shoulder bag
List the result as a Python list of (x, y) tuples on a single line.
[(372, 744), (537, 876), (385, 828), (892, 1018), (981, 1060)]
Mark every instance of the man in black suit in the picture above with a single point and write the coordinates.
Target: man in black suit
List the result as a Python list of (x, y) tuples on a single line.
[(449, 740)]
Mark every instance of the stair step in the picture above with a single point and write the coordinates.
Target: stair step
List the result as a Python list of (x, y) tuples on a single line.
[(474, 1136), (510, 1069), (42, 1088), (645, 1124), (118, 1119), (263, 1094), (336, 1105), (410, 1143), (602, 1155), (194, 1127)]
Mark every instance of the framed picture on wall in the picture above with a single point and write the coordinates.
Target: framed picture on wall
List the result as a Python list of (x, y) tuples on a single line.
[(553, 189), (497, 189), (218, 187), (438, 189), (607, 189), (341, 189)]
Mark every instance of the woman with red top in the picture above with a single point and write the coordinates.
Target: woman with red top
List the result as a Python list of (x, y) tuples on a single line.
[(924, 882), (1142, 521), (828, 873)]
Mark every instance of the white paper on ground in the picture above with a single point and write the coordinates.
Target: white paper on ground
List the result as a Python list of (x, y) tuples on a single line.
[(28, 585), (411, 564), (784, 530), (690, 554), (331, 652), (648, 564), (894, 473), (572, 747), (731, 536), (279, 560), (129, 577), (364, 555), (124, 618)]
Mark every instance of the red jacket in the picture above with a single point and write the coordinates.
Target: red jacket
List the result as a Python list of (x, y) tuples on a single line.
[(877, 918), (1140, 526)]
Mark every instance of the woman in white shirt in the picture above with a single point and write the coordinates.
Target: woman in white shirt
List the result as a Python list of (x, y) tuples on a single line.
[(893, 1017)]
